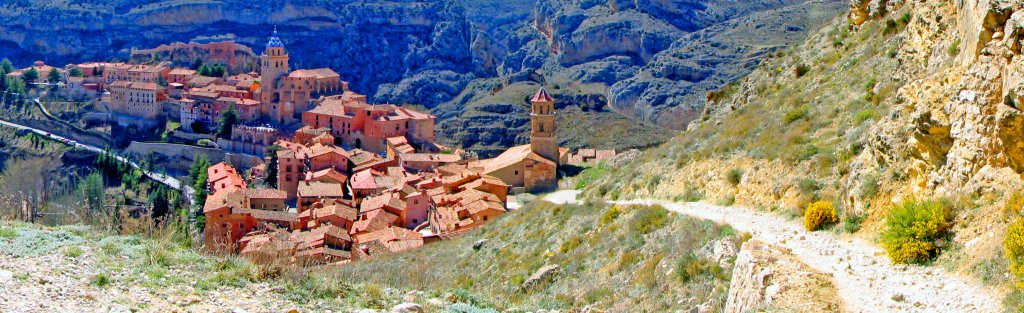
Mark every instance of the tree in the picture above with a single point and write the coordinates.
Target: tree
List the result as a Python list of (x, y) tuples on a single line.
[(3, 82), (30, 75), (15, 88), (76, 72), (197, 64), (160, 81), (271, 179), (54, 76), (7, 66), (227, 121), (204, 70), (160, 199), (199, 165), (218, 70), (93, 188)]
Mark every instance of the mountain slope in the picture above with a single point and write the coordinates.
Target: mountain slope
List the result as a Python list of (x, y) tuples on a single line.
[(900, 100)]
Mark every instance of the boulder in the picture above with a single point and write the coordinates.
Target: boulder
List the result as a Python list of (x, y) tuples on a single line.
[(545, 272), (479, 244), (407, 308), (719, 251)]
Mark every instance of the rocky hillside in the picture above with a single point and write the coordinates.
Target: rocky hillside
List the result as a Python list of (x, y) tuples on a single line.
[(897, 100), (619, 61), (367, 42)]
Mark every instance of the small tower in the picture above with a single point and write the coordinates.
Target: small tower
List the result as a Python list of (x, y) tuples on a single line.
[(543, 139), (273, 65)]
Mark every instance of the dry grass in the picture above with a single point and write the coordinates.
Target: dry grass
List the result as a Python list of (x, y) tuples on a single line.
[(611, 258)]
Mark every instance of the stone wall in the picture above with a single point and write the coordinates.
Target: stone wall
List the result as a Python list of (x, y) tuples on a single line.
[(179, 157)]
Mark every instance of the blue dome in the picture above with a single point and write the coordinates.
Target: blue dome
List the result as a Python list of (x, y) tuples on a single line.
[(275, 42)]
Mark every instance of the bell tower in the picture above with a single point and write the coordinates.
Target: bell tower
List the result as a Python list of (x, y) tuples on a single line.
[(273, 65), (543, 139)]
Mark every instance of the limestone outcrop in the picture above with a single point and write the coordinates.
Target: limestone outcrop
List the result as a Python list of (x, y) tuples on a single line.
[(768, 276)]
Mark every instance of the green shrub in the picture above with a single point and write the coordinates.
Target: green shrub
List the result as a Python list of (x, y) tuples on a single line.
[(864, 115), (852, 221), (610, 215), (869, 188), (693, 195), (1013, 246), (691, 266), (7, 233), (808, 186), (818, 215), (954, 49), (912, 229), (795, 114), (101, 280), (648, 219), (734, 176), (74, 252)]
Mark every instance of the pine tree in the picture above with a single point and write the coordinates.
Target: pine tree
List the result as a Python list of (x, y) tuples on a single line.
[(54, 76), (227, 121), (7, 66), (272, 165), (76, 72), (30, 75)]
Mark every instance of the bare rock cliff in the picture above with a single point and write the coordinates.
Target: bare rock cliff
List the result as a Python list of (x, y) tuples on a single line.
[(768, 276)]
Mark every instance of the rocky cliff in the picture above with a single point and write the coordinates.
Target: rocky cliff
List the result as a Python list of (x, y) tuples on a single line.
[(643, 65), (368, 42)]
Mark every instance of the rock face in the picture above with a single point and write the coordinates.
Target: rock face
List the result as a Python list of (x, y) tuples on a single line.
[(368, 43), (646, 60), (769, 276)]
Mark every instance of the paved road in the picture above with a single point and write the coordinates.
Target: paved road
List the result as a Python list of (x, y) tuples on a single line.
[(161, 178), (866, 280)]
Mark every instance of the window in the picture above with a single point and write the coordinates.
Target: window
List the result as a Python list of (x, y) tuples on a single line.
[(517, 173)]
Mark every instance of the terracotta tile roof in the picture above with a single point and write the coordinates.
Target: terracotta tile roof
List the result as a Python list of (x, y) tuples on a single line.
[(319, 149), (395, 239), (383, 201), (375, 220), (542, 96), (510, 157), (147, 68), (120, 84), (265, 193), (429, 157), (230, 197), (268, 215), (338, 210), (364, 180), (319, 189), (329, 174), (314, 73), (223, 171), (182, 71)]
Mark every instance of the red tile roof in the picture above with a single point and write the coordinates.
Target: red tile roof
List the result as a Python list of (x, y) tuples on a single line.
[(542, 96)]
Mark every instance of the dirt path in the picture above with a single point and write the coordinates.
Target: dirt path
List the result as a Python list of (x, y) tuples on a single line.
[(867, 281)]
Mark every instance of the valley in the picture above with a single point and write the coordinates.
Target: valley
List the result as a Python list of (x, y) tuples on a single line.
[(512, 156)]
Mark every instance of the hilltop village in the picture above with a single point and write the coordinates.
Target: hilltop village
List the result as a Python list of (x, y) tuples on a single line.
[(340, 178)]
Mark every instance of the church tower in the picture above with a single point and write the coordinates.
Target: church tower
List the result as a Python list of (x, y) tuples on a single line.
[(543, 139), (273, 65)]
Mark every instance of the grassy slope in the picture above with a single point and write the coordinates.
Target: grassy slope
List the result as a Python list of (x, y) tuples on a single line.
[(624, 261), (794, 134), (621, 259)]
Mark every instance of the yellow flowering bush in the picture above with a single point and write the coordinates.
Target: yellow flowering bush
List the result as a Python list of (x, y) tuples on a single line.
[(818, 215), (1013, 245), (912, 229)]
